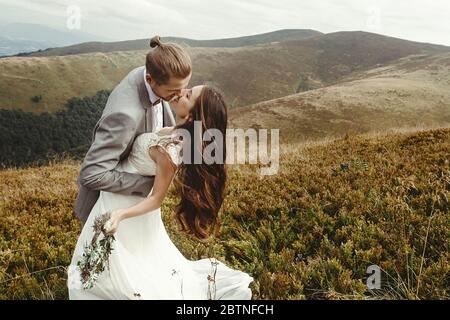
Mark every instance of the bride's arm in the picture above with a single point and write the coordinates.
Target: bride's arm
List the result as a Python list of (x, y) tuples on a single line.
[(165, 171)]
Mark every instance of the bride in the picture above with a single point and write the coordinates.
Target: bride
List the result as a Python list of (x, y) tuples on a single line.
[(144, 263)]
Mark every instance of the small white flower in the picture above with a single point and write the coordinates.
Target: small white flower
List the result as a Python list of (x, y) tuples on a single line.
[(108, 225)]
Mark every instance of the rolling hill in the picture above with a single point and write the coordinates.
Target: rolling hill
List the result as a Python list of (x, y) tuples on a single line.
[(411, 91), (246, 75)]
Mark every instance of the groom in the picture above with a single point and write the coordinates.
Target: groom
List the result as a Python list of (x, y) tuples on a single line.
[(137, 105)]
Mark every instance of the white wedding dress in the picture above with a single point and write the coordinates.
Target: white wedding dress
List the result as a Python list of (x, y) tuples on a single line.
[(144, 263)]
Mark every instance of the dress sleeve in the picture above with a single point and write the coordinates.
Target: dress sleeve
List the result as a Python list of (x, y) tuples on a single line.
[(174, 152), (171, 147)]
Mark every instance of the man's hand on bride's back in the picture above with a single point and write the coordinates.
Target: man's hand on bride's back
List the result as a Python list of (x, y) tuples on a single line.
[(112, 224)]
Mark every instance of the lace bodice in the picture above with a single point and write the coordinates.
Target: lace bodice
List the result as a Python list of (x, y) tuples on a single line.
[(140, 158)]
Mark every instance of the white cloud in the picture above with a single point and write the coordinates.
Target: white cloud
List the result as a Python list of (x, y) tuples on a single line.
[(418, 20)]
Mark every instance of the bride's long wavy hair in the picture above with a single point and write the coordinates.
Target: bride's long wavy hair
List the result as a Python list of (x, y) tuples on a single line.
[(201, 186)]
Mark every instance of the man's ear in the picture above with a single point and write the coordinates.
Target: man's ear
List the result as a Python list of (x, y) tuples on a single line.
[(149, 79)]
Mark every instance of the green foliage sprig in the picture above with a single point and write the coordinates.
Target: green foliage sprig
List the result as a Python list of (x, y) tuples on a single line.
[(96, 255)]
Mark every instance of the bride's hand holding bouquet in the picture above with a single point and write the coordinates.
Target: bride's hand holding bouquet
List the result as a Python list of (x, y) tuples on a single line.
[(112, 224)]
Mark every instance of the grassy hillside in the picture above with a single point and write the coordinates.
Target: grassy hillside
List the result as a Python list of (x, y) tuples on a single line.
[(57, 79), (345, 52), (143, 44), (246, 75), (309, 232), (411, 91)]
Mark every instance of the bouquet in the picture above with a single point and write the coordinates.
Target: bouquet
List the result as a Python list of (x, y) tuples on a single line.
[(96, 255)]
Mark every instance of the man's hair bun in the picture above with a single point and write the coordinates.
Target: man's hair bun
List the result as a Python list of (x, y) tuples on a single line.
[(155, 42)]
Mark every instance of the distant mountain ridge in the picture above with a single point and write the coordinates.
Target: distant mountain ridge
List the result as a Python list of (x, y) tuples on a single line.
[(143, 44), (9, 47), (25, 37)]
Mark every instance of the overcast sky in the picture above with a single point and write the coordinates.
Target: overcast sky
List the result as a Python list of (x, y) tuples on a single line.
[(419, 20)]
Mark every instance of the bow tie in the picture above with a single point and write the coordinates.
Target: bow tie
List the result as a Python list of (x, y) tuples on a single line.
[(156, 102)]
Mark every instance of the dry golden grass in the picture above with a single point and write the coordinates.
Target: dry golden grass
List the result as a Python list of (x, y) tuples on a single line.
[(309, 232)]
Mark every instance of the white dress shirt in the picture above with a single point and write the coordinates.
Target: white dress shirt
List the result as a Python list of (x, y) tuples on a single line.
[(157, 110)]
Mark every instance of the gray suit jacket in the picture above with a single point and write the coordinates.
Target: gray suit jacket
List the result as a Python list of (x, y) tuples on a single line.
[(127, 114)]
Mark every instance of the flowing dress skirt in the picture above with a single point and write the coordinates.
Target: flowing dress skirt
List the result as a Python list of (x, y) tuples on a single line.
[(145, 263)]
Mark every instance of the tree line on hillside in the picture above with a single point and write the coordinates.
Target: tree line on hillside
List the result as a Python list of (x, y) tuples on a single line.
[(32, 139)]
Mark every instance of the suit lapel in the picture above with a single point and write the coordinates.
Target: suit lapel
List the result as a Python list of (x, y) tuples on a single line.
[(143, 93), (145, 102)]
